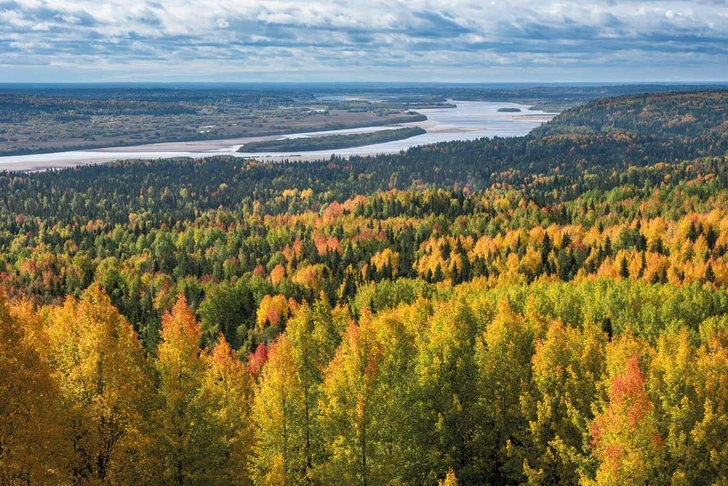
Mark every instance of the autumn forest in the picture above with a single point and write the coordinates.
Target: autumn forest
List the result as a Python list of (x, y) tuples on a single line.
[(548, 309)]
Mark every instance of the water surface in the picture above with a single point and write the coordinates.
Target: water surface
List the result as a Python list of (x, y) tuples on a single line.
[(470, 120)]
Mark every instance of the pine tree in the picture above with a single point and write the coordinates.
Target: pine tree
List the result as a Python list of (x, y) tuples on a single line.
[(623, 268)]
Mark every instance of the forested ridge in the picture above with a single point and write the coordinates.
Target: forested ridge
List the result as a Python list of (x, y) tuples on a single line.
[(549, 309)]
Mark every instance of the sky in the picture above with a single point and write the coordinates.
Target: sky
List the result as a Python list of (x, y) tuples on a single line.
[(363, 40)]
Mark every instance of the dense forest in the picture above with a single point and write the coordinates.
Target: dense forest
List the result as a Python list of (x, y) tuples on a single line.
[(549, 309)]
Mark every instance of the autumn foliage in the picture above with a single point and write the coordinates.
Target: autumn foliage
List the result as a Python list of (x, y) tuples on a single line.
[(543, 310)]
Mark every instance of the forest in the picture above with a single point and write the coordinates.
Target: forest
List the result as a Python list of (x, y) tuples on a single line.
[(548, 309)]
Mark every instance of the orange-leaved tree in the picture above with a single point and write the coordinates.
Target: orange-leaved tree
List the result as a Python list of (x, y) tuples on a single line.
[(625, 435)]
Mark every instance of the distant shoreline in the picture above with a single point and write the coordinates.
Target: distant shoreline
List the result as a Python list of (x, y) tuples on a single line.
[(105, 147)]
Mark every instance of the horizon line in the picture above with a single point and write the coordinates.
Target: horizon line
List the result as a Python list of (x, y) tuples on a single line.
[(415, 83)]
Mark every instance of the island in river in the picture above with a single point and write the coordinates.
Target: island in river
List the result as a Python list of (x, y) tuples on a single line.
[(332, 142)]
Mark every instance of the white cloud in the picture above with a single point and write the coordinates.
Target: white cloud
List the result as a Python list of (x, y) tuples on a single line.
[(355, 34)]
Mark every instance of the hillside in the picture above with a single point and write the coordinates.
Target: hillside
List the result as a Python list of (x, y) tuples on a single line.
[(549, 309), (682, 115)]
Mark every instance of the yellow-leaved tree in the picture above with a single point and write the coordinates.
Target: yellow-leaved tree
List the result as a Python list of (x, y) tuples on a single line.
[(279, 454), (450, 479), (32, 449), (189, 437), (106, 386), (568, 367), (363, 384), (314, 339), (229, 387), (503, 356), (446, 375)]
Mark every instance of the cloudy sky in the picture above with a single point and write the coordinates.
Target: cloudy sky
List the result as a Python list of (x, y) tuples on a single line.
[(363, 40)]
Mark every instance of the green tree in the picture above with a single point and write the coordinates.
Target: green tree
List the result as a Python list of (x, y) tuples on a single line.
[(503, 358), (568, 366), (227, 309), (349, 407), (446, 375), (314, 339)]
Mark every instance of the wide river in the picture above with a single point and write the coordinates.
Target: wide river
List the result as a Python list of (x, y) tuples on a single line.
[(469, 121)]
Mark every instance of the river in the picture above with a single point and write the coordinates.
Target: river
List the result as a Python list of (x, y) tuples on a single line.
[(468, 121)]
